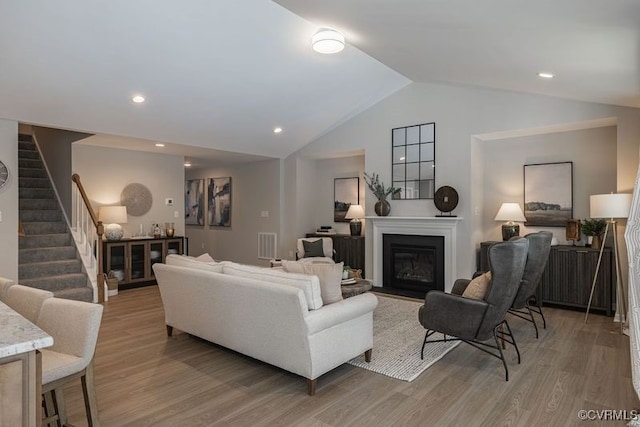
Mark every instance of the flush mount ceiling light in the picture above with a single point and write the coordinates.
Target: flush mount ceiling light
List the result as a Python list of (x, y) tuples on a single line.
[(159, 144), (546, 75), (277, 130), (187, 164), (138, 99), (327, 41)]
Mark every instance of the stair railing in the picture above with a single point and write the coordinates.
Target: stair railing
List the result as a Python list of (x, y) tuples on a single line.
[(87, 231)]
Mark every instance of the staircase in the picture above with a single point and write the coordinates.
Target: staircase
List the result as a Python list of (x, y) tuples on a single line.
[(48, 258)]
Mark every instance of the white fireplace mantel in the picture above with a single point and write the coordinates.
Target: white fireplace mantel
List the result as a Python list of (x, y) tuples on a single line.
[(425, 226)]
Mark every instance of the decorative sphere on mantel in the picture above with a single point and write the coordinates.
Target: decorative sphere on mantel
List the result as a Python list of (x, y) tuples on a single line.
[(113, 231)]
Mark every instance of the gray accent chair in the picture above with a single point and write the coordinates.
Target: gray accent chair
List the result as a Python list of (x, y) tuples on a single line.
[(526, 302), (475, 321)]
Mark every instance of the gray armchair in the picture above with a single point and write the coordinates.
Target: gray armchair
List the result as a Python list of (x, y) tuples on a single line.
[(537, 258), (474, 321)]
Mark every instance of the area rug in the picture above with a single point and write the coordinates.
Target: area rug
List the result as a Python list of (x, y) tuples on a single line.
[(397, 340)]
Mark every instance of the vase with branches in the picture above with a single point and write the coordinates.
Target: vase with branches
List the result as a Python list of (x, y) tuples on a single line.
[(381, 192)]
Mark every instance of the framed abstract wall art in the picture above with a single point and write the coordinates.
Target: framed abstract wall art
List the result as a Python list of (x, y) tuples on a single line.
[(194, 202), (219, 197)]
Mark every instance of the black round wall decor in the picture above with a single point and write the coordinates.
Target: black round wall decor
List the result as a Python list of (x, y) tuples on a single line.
[(446, 199)]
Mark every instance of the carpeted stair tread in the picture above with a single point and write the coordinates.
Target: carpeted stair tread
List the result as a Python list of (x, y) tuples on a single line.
[(26, 145), (45, 240), (33, 173), (35, 270), (53, 253), (78, 294), (25, 137), (30, 163), (40, 215), (44, 227), (38, 204), (33, 182), (57, 283), (36, 193), (28, 154)]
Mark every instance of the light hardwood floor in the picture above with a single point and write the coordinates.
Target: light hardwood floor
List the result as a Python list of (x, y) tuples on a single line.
[(144, 378)]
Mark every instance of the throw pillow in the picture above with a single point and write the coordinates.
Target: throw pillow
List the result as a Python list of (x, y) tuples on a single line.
[(205, 258), (478, 287), (292, 266), (316, 259), (312, 248), (330, 276)]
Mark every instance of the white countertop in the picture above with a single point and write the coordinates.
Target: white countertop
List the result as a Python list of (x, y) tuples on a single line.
[(18, 335)]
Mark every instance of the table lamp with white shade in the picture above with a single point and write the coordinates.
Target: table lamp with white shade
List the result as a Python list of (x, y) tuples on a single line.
[(610, 206), (355, 213), (511, 213), (112, 217)]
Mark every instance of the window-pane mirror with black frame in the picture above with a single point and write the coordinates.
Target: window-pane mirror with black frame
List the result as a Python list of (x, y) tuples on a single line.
[(414, 161)]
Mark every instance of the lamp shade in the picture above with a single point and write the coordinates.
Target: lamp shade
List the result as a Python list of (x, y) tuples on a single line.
[(510, 212), (355, 212), (327, 41), (113, 214), (610, 205)]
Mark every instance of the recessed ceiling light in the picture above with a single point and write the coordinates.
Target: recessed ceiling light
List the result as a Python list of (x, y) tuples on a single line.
[(277, 130), (138, 99), (159, 144), (546, 75), (187, 164), (327, 41)]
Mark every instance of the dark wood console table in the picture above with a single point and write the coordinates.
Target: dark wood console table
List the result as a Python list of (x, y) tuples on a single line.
[(567, 280), (349, 249)]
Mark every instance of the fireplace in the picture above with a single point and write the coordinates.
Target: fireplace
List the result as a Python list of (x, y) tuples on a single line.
[(413, 264)]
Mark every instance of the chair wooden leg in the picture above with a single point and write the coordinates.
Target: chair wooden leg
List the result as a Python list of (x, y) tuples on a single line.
[(367, 355), (90, 399), (311, 386), (169, 330), (51, 417), (58, 397)]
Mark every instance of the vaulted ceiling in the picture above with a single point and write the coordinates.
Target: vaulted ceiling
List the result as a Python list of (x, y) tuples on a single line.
[(223, 74)]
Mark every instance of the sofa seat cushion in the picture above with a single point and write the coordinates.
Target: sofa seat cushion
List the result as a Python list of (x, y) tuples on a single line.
[(191, 262), (59, 365), (310, 285)]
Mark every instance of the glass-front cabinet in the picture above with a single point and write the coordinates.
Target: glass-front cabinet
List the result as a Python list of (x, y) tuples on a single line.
[(131, 260)]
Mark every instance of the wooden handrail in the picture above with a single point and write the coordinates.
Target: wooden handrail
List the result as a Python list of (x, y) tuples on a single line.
[(76, 178), (99, 231)]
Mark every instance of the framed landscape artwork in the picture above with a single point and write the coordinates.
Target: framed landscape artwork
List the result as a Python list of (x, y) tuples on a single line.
[(194, 202), (219, 194), (548, 194), (345, 194)]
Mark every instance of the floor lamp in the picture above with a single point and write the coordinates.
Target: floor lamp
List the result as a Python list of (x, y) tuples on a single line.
[(610, 206)]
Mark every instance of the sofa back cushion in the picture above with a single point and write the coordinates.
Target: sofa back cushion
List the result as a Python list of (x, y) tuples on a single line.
[(191, 262), (309, 284)]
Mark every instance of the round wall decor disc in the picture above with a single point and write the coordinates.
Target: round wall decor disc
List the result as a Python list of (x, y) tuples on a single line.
[(446, 198), (137, 198)]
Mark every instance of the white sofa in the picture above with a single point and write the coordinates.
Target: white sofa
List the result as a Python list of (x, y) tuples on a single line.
[(270, 315)]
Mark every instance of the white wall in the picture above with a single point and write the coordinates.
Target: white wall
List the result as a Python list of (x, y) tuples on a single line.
[(105, 172), (9, 201), (460, 113), (592, 151), (255, 187)]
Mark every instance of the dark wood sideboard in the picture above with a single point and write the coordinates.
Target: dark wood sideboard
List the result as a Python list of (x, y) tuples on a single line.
[(567, 280), (349, 249)]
